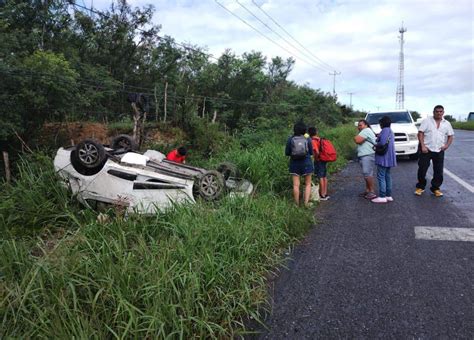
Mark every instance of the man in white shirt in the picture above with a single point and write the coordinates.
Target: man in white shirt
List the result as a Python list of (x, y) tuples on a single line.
[(435, 135)]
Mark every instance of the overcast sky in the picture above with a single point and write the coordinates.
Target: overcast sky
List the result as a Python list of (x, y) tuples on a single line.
[(358, 38)]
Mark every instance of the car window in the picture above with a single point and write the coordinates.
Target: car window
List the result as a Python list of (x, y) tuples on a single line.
[(396, 117)]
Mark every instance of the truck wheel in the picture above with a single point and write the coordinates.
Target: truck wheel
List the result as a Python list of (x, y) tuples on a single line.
[(228, 169), (88, 157), (124, 143), (210, 185)]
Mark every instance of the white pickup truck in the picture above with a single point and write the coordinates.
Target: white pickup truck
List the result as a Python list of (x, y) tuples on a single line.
[(403, 126)]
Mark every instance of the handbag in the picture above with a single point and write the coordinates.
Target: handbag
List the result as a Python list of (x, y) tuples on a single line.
[(381, 149)]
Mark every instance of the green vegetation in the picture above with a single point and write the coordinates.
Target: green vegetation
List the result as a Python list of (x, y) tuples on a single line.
[(463, 125), (193, 271)]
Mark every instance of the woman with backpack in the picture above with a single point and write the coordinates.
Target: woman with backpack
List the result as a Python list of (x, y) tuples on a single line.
[(300, 150), (385, 159)]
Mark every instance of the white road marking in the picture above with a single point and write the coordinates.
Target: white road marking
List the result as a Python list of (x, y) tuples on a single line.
[(444, 234), (459, 180)]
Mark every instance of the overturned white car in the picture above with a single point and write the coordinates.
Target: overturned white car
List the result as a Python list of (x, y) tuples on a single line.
[(99, 174)]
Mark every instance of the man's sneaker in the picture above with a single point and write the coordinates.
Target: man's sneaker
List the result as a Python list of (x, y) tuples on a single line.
[(379, 200), (437, 193), (389, 198), (324, 198), (370, 196), (419, 191)]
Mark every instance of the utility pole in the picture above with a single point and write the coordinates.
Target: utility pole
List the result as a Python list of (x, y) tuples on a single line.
[(351, 93), (401, 68), (334, 81)]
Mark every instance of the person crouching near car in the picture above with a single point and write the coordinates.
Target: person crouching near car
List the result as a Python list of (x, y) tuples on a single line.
[(385, 162), (177, 155), (300, 165), (366, 154)]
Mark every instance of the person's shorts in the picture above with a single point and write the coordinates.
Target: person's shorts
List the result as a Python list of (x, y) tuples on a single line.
[(301, 167), (368, 165), (320, 169)]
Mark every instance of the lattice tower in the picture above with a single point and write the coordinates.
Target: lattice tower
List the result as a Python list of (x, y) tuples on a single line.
[(401, 69)]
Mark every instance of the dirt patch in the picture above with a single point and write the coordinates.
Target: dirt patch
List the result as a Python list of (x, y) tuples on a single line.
[(71, 133)]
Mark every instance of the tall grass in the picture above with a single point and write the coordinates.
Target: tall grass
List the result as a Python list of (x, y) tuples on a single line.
[(36, 200), (464, 125), (194, 271)]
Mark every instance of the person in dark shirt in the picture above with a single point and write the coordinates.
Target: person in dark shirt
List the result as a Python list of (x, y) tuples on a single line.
[(300, 167)]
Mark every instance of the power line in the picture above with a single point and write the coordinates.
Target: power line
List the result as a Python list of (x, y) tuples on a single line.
[(278, 34), (294, 39), (265, 36)]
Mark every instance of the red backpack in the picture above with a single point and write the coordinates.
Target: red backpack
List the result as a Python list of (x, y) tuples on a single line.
[(327, 151)]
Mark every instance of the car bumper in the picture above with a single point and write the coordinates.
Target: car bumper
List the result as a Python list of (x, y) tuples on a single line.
[(409, 148)]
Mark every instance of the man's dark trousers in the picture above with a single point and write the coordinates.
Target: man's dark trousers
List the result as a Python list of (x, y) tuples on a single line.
[(424, 164)]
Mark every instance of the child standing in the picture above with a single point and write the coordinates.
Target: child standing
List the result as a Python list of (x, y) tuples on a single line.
[(320, 167)]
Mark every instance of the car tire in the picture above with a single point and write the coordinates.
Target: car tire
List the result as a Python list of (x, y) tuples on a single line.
[(414, 157), (210, 185), (228, 170), (88, 157), (124, 143)]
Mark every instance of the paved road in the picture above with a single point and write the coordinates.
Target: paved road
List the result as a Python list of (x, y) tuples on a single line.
[(364, 273), (459, 161)]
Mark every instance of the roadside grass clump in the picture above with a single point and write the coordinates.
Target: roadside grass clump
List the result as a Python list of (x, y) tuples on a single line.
[(265, 166), (194, 271), (36, 200), (463, 125)]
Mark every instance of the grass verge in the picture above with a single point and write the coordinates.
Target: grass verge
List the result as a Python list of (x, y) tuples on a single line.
[(464, 125)]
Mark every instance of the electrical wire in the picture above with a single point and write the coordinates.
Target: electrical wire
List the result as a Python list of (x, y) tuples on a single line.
[(294, 39), (266, 37), (284, 39)]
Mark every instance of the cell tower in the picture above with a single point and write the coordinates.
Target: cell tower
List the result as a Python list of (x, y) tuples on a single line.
[(401, 69)]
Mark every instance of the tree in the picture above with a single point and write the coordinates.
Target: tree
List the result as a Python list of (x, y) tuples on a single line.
[(450, 118), (415, 115), (42, 87)]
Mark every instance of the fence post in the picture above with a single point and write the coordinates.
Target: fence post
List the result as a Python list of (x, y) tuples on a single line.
[(8, 175)]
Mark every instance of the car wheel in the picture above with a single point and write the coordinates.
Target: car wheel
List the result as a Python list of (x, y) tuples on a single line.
[(88, 157), (210, 185), (414, 156), (228, 170), (124, 143)]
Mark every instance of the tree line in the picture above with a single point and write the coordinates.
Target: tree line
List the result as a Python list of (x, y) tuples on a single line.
[(62, 62)]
